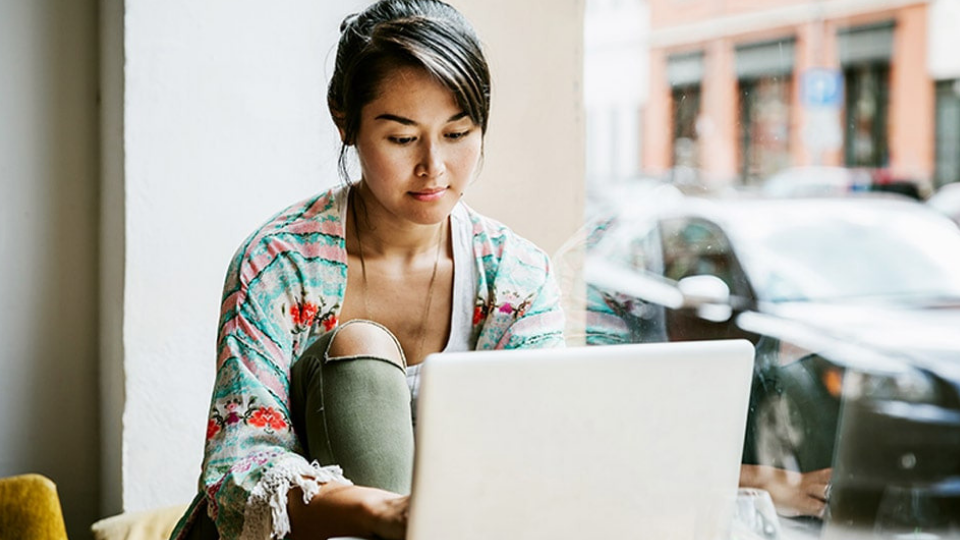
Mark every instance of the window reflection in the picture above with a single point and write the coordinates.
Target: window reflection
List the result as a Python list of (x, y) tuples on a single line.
[(785, 151)]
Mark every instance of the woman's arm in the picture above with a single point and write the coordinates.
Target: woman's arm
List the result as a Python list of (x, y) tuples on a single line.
[(252, 457), (793, 493), (346, 510)]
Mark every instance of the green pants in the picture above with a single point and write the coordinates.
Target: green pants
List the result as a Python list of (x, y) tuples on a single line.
[(354, 412), (351, 411)]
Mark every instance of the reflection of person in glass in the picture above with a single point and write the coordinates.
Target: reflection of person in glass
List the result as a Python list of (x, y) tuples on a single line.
[(329, 309), (614, 318), (794, 493)]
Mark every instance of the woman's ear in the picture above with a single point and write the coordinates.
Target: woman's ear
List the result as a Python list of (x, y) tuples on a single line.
[(340, 120)]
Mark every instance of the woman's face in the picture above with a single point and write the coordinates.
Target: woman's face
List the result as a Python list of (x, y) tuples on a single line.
[(418, 149)]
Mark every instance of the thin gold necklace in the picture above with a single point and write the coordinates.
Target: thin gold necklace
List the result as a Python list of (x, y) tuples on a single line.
[(422, 330)]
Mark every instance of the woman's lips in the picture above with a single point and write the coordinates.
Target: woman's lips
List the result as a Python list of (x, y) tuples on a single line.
[(428, 195)]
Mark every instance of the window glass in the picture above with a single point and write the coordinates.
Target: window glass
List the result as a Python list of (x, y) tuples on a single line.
[(796, 183)]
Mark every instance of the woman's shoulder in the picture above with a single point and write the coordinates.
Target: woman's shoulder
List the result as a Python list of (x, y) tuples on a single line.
[(311, 228), (511, 267), (493, 239), (320, 213)]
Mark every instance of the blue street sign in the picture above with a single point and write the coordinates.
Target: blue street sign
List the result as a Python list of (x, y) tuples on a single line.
[(821, 87)]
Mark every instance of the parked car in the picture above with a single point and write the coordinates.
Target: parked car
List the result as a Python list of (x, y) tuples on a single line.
[(853, 305), (947, 201), (831, 181)]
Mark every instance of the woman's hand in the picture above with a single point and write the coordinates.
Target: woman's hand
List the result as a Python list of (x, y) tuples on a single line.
[(802, 494), (388, 514), (346, 510), (793, 493)]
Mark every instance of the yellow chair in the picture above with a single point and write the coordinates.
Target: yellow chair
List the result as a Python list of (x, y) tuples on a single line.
[(155, 524), (30, 509)]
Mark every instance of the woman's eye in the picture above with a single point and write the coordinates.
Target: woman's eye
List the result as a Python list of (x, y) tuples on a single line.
[(458, 135), (402, 140)]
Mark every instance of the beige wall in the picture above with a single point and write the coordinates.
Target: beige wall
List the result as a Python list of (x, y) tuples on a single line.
[(533, 170)]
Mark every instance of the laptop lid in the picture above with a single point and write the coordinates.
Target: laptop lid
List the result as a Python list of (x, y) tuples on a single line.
[(622, 441)]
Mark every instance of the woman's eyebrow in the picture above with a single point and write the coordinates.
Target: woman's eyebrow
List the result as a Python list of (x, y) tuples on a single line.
[(408, 122)]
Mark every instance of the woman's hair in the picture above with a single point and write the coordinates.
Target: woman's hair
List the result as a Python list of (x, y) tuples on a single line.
[(392, 34)]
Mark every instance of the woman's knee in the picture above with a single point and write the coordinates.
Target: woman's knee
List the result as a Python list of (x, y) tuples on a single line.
[(365, 338)]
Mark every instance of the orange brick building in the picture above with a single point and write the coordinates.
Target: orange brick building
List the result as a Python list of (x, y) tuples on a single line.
[(739, 89)]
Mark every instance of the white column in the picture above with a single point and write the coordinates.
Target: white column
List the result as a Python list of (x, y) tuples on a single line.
[(224, 123)]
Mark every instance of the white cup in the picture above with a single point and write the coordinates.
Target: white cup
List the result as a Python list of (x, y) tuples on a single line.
[(754, 516)]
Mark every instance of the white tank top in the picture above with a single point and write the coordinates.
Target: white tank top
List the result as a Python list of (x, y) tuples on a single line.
[(464, 296)]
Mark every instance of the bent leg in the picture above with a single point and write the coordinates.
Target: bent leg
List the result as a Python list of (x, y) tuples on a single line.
[(351, 405)]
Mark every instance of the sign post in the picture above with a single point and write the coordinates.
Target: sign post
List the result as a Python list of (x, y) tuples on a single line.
[(821, 93)]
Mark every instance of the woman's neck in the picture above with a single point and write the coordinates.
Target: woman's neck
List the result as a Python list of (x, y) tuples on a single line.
[(383, 234)]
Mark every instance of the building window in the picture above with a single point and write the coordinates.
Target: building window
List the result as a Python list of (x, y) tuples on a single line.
[(868, 94), (764, 80), (764, 127), (686, 111), (865, 54), (948, 133), (685, 73)]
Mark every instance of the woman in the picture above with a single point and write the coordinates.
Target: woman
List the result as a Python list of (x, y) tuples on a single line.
[(330, 307)]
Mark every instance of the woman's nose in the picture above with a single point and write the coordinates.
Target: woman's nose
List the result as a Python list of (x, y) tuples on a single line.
[(431, 162)]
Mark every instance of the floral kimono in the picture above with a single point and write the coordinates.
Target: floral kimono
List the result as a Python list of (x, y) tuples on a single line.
[(284, 288)]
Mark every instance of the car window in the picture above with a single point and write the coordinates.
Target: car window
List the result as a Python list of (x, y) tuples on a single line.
[(870, 252), (696, 247)]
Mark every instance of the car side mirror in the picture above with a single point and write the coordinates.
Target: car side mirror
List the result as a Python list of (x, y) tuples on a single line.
[(709, 295)]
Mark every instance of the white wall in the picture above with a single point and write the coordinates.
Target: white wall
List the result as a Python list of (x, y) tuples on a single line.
[(48, 249), (224, 123)]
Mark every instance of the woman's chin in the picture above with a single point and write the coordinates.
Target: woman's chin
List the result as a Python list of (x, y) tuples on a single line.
[(433, 212)]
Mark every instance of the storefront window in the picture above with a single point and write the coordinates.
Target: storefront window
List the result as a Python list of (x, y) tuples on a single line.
[(686, 111), (868, 89), (764, 127), (948, 133), (865, 55), (764, 79), (684, 74)]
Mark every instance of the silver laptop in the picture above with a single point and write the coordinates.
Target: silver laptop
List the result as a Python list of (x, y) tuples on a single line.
[(623, 441)]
